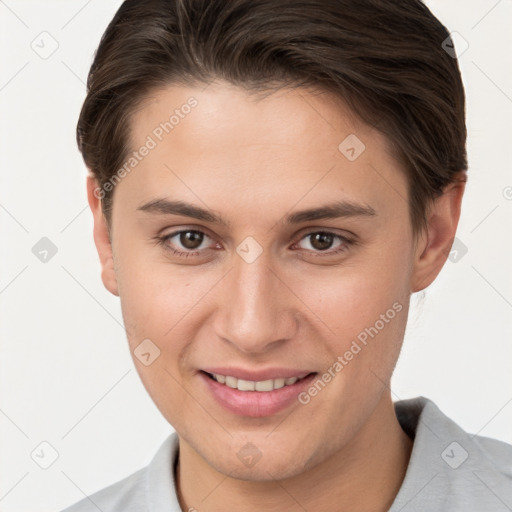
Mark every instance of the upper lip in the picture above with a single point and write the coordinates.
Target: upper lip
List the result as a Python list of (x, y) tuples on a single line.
[(258, 375)]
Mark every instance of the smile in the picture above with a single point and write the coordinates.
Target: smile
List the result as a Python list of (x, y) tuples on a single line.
[(255, 398), (250, 385)]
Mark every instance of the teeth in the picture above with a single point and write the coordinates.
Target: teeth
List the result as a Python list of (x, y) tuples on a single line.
[(245, 385), (249, 385), (231, 382), (279, 383)]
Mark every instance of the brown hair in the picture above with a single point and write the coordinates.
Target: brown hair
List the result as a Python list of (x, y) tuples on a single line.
[(384, 58)]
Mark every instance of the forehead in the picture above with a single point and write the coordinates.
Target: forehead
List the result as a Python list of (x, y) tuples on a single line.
[(285, 144), (237, 115)]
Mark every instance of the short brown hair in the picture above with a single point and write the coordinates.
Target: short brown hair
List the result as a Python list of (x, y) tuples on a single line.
[(384, 58)]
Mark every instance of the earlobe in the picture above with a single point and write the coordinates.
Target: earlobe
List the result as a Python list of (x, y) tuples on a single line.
[(435, 243), (101, 237)]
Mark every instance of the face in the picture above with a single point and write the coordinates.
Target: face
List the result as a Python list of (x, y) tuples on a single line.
[(259, 239)]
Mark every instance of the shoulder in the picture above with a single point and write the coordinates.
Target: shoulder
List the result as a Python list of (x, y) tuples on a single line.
[(148, 487), (450, 469), (497, 454), (127, 495)]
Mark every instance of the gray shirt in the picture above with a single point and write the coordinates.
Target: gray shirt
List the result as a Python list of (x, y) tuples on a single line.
[(449, 470)]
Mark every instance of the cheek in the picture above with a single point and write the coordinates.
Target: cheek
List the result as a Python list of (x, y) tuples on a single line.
[(361, 309), (157, 303), (348, 299), (157, 298), (164, 302)]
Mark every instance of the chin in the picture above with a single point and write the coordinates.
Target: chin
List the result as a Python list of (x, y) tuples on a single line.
[(262, 471)]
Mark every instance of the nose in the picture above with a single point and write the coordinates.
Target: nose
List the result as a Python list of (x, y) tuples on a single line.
[(256, 310)]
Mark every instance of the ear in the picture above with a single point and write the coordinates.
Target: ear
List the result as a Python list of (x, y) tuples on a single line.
[(435, 243), (101, 236)]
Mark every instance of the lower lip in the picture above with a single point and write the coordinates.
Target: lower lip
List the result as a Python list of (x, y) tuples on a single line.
[(256, 404)]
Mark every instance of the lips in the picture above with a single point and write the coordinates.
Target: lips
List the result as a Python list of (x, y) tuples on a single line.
[(255, 403)]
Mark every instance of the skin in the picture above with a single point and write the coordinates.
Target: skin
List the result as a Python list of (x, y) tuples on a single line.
[(253, 161)]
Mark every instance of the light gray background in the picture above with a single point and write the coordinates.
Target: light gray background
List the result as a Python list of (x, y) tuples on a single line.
[(66, 375)]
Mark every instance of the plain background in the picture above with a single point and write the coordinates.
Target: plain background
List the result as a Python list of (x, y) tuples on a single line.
[(66, 375)]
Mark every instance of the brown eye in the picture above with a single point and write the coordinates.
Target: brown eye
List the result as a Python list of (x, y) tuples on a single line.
[(321, 241), (191, 239), (186, 243)]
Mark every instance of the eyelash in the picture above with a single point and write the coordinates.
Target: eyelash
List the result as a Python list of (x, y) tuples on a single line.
[(346, 243)]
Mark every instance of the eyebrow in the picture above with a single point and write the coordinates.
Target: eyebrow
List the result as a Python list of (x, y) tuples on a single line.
[(336, 210)]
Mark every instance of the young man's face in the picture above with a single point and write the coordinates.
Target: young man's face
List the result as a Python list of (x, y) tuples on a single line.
[(269, 293)]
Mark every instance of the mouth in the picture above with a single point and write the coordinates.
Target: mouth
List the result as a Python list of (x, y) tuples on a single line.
[(255, 398), (251, 385)]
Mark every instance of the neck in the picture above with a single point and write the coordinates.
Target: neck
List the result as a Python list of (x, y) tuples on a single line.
[(365, 475)]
